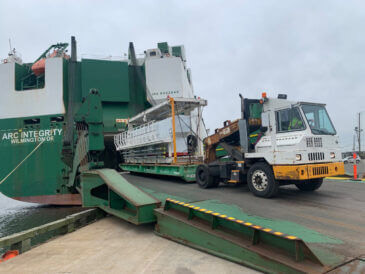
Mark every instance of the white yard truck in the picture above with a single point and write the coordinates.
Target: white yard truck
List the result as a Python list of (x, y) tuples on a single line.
[(276, 142)]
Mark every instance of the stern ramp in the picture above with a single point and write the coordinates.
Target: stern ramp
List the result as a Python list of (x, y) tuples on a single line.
[(194, 224)]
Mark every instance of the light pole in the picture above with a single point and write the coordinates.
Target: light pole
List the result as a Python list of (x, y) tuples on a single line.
[(358, 131)]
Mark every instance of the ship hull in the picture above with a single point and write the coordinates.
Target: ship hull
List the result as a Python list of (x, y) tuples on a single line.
[(31, 169), (59, 199)]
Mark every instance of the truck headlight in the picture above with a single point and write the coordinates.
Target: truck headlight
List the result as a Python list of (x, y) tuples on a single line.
[(298, 157), (332, 155)]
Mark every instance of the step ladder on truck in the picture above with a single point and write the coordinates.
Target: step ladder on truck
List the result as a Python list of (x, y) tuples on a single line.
[(275, 142)]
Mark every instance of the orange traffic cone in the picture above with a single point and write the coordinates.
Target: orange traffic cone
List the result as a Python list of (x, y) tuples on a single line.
[(356, 177)]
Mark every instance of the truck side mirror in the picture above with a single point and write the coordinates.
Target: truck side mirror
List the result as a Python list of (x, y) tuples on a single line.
[(265, 121)]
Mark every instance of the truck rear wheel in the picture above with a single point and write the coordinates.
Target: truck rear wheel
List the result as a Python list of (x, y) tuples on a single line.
[(204, 178), (310, 185), (261, 180)]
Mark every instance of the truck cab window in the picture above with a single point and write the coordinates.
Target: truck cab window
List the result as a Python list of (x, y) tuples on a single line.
[(289, 120)]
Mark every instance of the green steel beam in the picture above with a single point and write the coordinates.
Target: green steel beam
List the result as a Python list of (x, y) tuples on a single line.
[(236, 240), (108, 190), (185, 172)]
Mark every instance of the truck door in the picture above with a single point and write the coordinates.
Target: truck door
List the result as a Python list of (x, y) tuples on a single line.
[(252, 115)]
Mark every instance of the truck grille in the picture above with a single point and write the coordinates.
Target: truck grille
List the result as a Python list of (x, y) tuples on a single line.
[(310, 142), (317, 142), (314, 142), (320, 170), (316, 156)]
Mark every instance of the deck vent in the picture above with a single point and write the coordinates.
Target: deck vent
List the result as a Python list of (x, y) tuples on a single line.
[(316, 156), (34, 121), (320, 170)]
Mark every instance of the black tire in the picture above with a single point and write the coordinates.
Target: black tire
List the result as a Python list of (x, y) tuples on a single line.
[(204, 178), (357, 161), (261, 180), (310, 185), (345, 162)]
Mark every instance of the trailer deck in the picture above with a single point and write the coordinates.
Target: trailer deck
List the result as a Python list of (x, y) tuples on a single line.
[(183, 171)]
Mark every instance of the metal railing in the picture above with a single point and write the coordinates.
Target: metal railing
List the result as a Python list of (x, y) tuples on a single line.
[(142, 135)]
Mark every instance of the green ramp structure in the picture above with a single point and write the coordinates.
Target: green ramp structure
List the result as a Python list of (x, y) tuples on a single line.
[(236, 240), (209, 226), (108, 190)]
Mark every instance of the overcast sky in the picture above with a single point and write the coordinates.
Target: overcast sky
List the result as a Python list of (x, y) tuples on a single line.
[(311, 50)]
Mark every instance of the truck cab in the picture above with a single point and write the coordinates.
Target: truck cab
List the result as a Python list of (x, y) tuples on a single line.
[(276, 142)]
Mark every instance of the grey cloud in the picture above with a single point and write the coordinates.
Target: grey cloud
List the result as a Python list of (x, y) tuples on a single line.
[(311, 50)]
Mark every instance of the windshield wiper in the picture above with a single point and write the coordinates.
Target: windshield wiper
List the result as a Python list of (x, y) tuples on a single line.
[(321, 131)]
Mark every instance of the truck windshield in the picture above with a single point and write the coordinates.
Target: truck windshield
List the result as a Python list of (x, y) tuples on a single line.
[(318, 119)]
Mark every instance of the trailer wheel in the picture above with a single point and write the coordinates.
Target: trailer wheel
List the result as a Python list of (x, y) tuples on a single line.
[(310, 185), (204, 178), (261, 180)]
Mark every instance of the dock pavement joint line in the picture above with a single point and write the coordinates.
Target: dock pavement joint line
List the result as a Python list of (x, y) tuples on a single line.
[(232, 219), (342, 178)]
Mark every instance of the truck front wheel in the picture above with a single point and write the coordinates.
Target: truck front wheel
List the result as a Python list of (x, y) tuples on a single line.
[(261, 180), (310, 185), (204, 178)]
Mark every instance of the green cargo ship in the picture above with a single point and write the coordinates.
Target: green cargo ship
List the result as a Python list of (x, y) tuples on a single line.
[(38, 106)]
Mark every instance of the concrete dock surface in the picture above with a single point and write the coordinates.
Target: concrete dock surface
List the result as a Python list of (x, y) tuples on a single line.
[(112, 245)]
